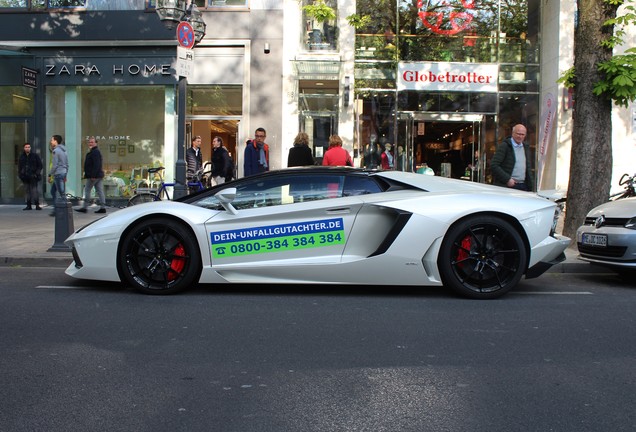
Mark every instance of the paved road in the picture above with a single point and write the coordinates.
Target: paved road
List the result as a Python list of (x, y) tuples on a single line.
[(555, 355)]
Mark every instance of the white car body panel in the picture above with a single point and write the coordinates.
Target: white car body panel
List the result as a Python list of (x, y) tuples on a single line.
[(411, 259)]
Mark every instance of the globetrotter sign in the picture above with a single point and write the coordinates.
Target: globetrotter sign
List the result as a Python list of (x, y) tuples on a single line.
[(431, 76)]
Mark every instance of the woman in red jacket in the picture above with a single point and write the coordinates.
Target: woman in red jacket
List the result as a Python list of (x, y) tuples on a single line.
[(336, 155)]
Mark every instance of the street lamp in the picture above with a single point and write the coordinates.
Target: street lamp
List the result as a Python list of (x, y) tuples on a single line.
[(171, 13)]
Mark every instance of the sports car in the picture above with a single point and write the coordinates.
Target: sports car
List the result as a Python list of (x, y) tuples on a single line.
[(608, 236), (327, 225)]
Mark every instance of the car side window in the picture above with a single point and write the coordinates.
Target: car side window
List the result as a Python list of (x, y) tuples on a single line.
[(287, 189), (358, 185)]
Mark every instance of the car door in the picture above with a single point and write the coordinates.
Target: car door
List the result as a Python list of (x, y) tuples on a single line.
[(286, 220)]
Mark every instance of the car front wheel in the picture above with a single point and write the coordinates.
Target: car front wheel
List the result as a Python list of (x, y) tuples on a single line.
[(159, 256), (482, 257)]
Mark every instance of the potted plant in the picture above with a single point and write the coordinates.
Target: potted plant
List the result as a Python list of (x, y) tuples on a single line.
[(319, 11)]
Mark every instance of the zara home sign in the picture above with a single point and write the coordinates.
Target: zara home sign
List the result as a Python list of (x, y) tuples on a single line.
[(62, 70), (433, 76)]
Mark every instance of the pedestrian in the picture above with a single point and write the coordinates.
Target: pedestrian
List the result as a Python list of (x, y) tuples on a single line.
[(256, 157), (300, 154), (94, 175), (194, 161), (30, 172), (58, 171), (511, 165), (335, 154), (222, 164)]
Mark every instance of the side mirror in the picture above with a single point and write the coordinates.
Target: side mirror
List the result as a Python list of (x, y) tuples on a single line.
[(225, 197)]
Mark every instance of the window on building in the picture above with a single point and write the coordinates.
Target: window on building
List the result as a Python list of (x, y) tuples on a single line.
[(319, 31), (128, 122)]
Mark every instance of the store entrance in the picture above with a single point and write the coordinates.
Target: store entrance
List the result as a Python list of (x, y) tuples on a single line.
[(207, 129), (449, 144)]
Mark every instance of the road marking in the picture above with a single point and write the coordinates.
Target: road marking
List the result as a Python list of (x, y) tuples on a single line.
[(58, 287), (556, 292)]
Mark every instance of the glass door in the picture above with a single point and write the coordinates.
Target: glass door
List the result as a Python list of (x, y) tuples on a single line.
[(448, 144), (13, 135), (319, 126)]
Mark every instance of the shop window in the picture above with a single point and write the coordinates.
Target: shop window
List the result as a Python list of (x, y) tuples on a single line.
[(16, 101), (221, 100), (129, 124)]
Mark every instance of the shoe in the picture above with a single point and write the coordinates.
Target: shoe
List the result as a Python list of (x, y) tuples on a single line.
[(27, 208), (81, 210), (100, 211), (38, 208)]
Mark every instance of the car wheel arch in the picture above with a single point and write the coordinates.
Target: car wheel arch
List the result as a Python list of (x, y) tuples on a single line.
[(508, 218), (142, 220)]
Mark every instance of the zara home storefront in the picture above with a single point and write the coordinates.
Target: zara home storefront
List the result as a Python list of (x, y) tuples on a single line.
[(112, 74), (127, 102)]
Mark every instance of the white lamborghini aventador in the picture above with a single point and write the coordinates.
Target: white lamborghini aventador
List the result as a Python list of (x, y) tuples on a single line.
[(327, 225)]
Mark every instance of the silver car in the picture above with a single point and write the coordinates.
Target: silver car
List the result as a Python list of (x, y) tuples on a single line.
[(608, 236)]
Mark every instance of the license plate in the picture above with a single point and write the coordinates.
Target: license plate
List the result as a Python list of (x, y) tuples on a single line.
[(594, 240)]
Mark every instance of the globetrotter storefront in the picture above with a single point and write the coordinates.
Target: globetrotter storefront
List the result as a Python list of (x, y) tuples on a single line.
[(445, 83)]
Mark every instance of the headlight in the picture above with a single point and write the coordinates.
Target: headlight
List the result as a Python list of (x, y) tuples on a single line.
[(631, 223)]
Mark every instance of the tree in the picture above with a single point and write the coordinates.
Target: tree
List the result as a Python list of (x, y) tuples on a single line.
[(598, 77)]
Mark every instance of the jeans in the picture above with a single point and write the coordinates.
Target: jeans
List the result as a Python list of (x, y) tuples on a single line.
[(59, 187), (99, 189)]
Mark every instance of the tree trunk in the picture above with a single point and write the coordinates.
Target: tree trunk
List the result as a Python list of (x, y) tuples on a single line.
[(591, 157)]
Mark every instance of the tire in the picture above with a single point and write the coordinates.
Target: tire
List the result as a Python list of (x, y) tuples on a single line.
[(482, 257), (142, 197), (159, 256)]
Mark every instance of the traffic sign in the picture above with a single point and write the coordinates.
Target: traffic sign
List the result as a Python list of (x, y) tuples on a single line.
[(185, 62), (185, 35)]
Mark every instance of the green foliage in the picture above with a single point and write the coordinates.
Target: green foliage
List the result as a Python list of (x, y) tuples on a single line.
[(568, 78), (619, 72), (619, 78), (358, 21), (320, 11)]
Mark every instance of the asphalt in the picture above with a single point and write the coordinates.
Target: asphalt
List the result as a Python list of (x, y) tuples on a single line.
[(30, 239)]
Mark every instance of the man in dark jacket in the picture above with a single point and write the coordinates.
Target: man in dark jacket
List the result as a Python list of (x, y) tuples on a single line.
[(256, 156), (30, 172), (511, 165), (194, 162), (222, 164), (94, 175)]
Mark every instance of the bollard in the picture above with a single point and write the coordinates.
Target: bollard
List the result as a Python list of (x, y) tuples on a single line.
[(63, 225)]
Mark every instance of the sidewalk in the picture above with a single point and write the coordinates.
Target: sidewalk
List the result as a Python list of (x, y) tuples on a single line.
[(27, 237)]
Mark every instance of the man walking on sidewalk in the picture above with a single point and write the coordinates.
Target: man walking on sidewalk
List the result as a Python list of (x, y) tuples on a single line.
[(59, 170), (94, 174)]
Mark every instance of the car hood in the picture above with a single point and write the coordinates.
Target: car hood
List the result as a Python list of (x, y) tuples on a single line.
[(623, 208)]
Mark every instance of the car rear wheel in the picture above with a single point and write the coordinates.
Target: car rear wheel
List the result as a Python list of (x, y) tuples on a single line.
[(159, 256), (482, 257)]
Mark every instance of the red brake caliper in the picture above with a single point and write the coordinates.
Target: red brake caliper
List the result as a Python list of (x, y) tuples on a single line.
[(178, 262), (461, 252)]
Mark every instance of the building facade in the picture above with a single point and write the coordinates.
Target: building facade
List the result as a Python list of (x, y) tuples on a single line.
[(441, 81)]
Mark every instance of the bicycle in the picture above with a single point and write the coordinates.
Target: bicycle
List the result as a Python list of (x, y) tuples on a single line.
[(627, 181), (143, 195)]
